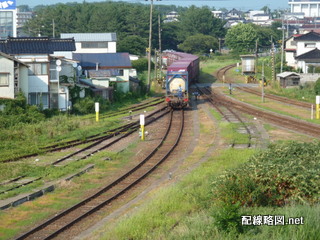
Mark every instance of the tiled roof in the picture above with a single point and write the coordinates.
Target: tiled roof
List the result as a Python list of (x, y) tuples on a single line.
[(105, 60), (313, 54), (91, 37), (36, 45), (310, 36)]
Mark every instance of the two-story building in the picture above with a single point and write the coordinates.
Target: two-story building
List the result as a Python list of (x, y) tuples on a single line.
[(13, 77), (43, 73), (307, 46)]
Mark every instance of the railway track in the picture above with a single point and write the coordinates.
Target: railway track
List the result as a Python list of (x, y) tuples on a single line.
[(68, 219), (93, 138), (277, 119), (135, 108), (275, 97), (229, 114), (102, 143), (221, 73)]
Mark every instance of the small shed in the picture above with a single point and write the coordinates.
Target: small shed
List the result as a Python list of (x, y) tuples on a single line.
[(248, 64), (288, 79)]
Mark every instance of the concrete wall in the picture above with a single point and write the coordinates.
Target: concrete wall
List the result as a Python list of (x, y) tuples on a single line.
[(309, 77)]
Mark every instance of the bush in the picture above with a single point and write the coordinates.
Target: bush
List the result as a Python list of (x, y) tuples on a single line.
[(284, 174), (141, 64), (317, 87)]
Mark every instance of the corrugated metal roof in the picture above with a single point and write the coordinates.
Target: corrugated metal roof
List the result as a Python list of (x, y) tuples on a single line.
[(105, 60), (91, 37)]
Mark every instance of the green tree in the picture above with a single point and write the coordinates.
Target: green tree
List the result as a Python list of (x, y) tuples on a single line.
[(241, 38), (133, 44), (199, 20), (170, 35), (199, 44)]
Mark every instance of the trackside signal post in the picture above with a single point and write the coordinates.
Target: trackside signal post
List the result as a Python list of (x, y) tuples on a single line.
[(317, 107), (142, 122), (96, 105)]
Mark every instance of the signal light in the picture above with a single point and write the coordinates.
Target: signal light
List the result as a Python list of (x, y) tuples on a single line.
[(186, 100), (168, 99)]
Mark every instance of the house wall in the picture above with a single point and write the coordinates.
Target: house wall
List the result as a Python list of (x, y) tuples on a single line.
[(24, 83), (302, 48), (7, 66), (290, 59), (112, 48)]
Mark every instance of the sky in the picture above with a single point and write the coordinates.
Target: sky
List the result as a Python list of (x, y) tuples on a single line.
[(243, 5)]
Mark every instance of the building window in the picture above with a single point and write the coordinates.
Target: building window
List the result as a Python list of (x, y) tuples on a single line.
[(38, 69), (39, 99), (94, 44), (310, 45), (121, 72), (6, 24), (4, 79)]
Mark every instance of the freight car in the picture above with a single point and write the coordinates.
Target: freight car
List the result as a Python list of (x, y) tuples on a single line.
[(182, 70)]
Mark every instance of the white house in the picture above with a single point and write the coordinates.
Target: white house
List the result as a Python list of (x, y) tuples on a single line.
[(307, 42), (13, 77), (92, 43)]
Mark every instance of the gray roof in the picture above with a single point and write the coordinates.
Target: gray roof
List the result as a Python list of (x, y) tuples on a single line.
[(105, 60), (91, 37), (287, 74)]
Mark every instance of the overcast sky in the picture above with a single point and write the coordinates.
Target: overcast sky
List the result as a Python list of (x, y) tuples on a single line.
[(229, 4)]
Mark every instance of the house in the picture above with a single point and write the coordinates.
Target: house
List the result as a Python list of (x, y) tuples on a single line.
[(291, 50), (262, 19), (288, 79), (105, 69), (309, 60), (43, 73), (307, 42), (233, 13), (13, 77), (171, 17), (92, 42)]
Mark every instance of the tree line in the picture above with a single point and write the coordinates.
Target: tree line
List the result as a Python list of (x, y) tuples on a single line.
[(197, 30)]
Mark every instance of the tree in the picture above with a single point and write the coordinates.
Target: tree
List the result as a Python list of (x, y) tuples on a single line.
[(199, 20), (133, 44), (241, 38), (199, 43), (169, 35)]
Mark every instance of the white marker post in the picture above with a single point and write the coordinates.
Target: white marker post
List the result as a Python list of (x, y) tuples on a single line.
[(142, 122), (312, 112), (96, 105), (317, 107)]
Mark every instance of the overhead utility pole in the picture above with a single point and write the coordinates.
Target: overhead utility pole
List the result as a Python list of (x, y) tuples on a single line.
[(149, 48)]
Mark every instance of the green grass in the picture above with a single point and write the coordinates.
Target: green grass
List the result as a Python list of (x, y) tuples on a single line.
[(230, 132), (207, 68), (172, 205)]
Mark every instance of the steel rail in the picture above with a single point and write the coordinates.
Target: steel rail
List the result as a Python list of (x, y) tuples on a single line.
[(277, 119), (109, 186)]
